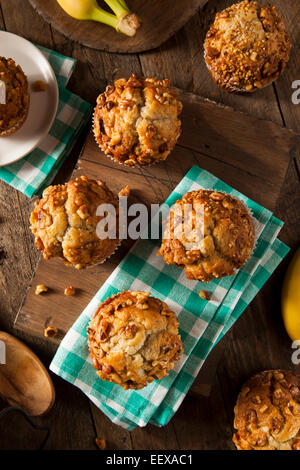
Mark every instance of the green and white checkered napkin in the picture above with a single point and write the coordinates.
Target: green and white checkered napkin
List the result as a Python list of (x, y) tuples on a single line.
[(33, 173), (202, 323)]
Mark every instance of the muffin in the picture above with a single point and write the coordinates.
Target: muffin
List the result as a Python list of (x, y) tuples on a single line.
[(267, 413), (133, 340), (209, 234), (14, 108), (136, 120), (247, 47), (64, 222)]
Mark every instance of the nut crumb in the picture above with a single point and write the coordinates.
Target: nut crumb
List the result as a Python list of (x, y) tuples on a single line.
[(263, 408), (125, 192), (100, 443), (50, 331), (70, 290), (40, 289), (204, 294), (39, 85)]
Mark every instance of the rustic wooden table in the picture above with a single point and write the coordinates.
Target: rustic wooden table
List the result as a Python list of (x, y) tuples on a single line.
[(257, 341)]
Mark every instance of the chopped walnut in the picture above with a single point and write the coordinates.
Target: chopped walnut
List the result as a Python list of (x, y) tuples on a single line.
[(263, 408), (100, 443), (40, 289), (125, 192), (50, 331), (215, 196), (70, 290), (204, 294)]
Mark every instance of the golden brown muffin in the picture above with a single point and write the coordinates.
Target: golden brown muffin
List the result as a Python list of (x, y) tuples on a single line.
[(136, 120), (267, 413), (64, 222), (211, 241), (15, 110), (133, 339), (247, 47)]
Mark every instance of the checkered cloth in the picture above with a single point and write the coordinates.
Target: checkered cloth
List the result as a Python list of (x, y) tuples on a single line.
[(202, 323), (33, 173)]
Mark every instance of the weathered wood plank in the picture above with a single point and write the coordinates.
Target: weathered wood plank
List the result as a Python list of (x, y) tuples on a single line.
[(205, 423), (116, 437), (181, 60), (70, 420), (229, 144)]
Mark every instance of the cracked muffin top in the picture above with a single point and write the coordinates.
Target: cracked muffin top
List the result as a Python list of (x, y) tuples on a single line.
[(136, 120), (133, 339), (267, 413), (14, 110), (209, 234), (64, 222), (247, 47)]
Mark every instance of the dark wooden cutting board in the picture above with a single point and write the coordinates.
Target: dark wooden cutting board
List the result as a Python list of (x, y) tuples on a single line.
[(249, 154), (160, 19)]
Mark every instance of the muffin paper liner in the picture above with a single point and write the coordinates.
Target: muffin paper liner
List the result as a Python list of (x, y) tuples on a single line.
[(108, 257), (201, 323)]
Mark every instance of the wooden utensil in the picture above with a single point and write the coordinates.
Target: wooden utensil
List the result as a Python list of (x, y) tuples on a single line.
[(24, 381), (160, 19)]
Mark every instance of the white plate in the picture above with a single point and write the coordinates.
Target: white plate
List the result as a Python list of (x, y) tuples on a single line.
[(43, 104)]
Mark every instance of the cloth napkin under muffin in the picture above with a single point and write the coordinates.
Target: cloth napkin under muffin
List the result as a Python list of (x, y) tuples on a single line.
[(201, 323), (33, 173)]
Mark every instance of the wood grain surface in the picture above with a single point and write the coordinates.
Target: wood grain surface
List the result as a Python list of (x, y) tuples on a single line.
[(257, 341), (160, 19), (214, 137)]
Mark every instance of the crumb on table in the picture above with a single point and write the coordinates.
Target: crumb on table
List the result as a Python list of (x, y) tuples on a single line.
[(100, 443), (50, 331), (40, 289), (70, 290), (125, 192), (204, 294)]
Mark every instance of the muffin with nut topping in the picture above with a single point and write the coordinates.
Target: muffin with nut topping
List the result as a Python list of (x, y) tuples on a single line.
[(208, 233), (65, 222), (136, 120), (247, 47), (15, 97), (133, 339), (267, 412)]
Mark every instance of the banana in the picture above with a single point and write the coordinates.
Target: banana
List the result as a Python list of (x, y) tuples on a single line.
[(123, 20), (290, 298)]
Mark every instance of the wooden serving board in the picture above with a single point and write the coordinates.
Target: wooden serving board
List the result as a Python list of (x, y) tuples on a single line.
[(249, 154), (160, 19)]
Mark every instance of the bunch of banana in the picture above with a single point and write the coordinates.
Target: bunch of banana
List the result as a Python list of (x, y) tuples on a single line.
[(290, 299), (123, 20)]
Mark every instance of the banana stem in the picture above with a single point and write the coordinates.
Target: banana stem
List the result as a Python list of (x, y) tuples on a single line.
[(119, 7), (127, 22), (104, 17), (122, 2)]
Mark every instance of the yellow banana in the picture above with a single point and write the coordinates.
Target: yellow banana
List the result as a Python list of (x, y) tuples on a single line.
[(123, 20), (290, 298)]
